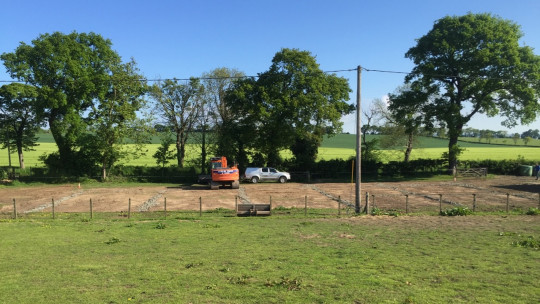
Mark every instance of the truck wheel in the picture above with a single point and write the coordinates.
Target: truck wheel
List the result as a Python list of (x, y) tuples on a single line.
[(254, 179), (235, 185), (282, 179)]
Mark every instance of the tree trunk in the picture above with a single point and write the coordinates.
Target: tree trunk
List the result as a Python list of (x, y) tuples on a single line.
[(64, 149), (181, 154), (273, 158), (408, 150), (454, 130), (178, 144), (103, 169), (21, 157), (452, 152)]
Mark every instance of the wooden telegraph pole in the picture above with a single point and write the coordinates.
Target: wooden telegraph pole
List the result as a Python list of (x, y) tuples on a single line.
[(358, 142)]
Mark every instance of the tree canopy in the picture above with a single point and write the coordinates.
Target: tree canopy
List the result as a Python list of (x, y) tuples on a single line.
[(292, 105), (19, 118), (473, 64), (113, 118), (70, 72), (179, 105)]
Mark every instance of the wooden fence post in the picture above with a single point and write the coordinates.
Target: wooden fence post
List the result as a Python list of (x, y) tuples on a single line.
[(91, 210), (373, 201), (236, 203), (129, 208), (165, 206), (339, 206), (14, 209), (406, 203), (200, 206), (367, 203), (507, 202), (440, 203), (474, 202), (305, 205), (53, 215)]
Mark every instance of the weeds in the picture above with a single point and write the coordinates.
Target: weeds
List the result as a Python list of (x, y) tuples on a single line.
[(160, 225), (377, 211), (192, 265), (290, 284), (242, 280), (533, 211), (457, 211), (112, 240), (529, 242), (211, 226)]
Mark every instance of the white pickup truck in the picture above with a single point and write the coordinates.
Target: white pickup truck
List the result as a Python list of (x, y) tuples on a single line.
[(265, 174)]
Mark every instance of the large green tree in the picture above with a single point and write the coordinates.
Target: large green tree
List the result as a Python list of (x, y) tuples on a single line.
[(215, 114), (70, 72), (113, 119), (291, 106), (179, 106), (19, 117), (404, 117), (474, 64)]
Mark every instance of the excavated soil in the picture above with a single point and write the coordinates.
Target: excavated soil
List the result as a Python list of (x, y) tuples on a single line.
[(416, 196)]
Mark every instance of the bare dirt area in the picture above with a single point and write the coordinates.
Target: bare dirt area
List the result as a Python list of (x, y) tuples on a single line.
[(415, 196)]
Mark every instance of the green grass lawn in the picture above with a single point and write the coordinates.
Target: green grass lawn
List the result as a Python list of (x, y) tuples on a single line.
[(278, 259)]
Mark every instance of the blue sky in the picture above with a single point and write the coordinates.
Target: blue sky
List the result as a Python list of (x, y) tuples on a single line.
[(187, 38)]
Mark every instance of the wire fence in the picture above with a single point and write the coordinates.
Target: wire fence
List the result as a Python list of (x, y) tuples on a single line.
[(322, 204)]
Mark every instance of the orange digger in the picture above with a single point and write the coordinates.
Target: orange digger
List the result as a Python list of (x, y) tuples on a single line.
[(223, 175)]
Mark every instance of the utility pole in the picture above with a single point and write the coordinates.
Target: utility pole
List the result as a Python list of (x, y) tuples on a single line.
[(358, 142)]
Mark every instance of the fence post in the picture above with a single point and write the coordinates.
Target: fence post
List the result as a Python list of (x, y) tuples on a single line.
[(339, 206), (165, 206), (305, 205), (406, 203), (270, 204), (53, 215), (14, 209), (236, 203), (507, 202), (129, 208), (440, 203), (474, 202), (373, 201), (200, 206), (91, 210), (367, 203)]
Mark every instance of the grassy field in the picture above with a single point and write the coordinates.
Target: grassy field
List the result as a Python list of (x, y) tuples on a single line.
[(341, 146), (279, 259)]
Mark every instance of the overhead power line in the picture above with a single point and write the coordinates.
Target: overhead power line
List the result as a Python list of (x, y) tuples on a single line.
[(326, 72), (200, 78)]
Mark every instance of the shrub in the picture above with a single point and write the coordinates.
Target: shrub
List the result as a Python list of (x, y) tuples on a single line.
[(533, 211), (457, 211)]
